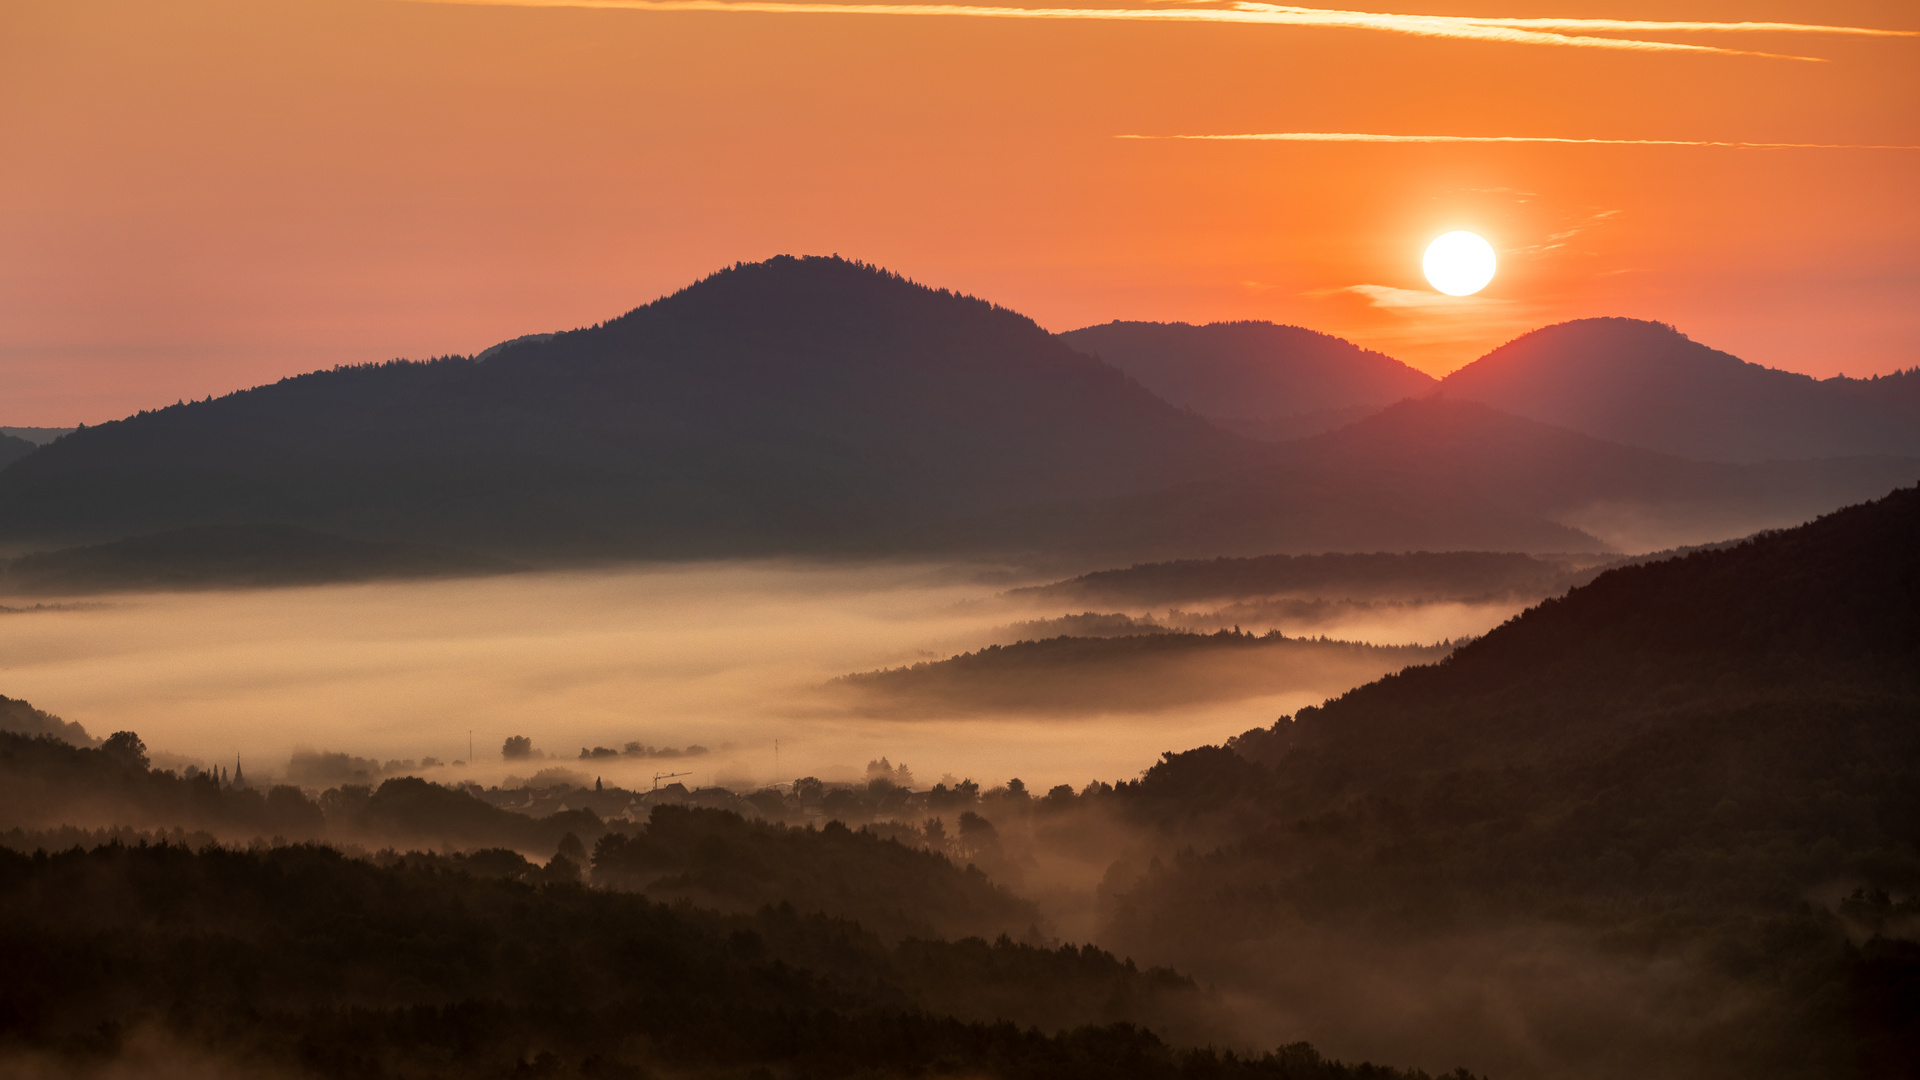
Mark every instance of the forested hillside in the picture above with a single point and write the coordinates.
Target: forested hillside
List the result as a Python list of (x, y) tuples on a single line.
[(300, 959), (1259, 379), (1675, 761), (790, 405), (1646, 384), (1443, 474)]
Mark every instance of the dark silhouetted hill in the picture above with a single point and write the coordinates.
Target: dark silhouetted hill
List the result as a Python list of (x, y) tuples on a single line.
[(1259, 379), (718, 859), (1827, 610), (1450, 575), (822, 406), (791, 405), (301, 961), (1900, 388), (13, 448), (1473, 451), (1694, 761), (1645, 384), (52, 778), (233, 556), (38, 436), (19, 718), (1438, 474), (1126, 673)]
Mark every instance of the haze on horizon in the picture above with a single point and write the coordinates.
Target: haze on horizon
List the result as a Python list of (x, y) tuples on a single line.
[(202, 195)]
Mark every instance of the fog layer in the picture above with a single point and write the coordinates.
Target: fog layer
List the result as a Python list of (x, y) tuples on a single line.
[(730, 657)]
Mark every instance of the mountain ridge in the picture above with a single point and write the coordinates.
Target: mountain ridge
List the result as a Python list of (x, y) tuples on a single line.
[(795, 404), (1257, 378), (1443, 474), (1646, 384)]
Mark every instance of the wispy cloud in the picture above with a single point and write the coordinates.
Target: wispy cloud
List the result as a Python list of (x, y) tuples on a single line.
[(1417, 301), (1557, 241), (1564, 32), (1359, 137)]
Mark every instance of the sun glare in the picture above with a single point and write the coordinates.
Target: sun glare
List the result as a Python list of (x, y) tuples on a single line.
[(1459, 263)]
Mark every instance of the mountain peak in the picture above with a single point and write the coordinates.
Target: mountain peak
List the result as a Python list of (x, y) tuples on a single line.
[(808, 284), (1647, 384), (1258, 378), (801, 403)]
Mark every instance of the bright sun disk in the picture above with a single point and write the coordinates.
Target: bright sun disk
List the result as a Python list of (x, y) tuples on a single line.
[(1459, 263)]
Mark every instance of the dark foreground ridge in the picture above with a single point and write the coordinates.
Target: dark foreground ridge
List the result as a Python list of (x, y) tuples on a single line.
[(299, 958), (1711, 761)]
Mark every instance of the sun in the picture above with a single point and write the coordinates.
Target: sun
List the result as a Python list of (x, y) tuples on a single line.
[(1459, 263)]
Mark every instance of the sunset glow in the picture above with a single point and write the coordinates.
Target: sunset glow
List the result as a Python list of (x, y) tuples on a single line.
[(832, 539), (202, 195)]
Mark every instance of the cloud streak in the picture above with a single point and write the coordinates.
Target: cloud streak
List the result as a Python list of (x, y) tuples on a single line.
[(1418, 300), (1361, 137), (1576, 33)]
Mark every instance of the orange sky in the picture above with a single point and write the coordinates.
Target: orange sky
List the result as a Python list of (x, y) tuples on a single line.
[(200, 196)]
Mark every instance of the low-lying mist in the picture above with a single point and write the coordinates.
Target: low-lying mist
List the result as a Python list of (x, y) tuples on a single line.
[(731, 658)]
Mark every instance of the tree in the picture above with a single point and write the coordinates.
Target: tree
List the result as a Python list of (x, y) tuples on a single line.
[(517, 748), (126, 748)]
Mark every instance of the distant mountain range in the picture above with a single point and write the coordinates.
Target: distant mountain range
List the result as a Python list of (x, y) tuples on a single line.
[(820, 406), (231, 556), (791, 405), (13, 448), (1438, 474), (1899, 388), (38, 436), (1256, 378), (1647, 384)]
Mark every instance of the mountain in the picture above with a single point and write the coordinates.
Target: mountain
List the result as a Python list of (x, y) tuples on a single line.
[(1697, 776), (1426, 576), (1900, 388), (1472, 451), (1440, 474), (1129, 673), (38, 436), (791, 405), (20, 718), (1646, 384), (232, 556), (13, 448), (1828, 608), (1259, 379), (816, 405)]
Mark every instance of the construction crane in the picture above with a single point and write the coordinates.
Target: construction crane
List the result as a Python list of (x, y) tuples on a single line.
[(657, 777)]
